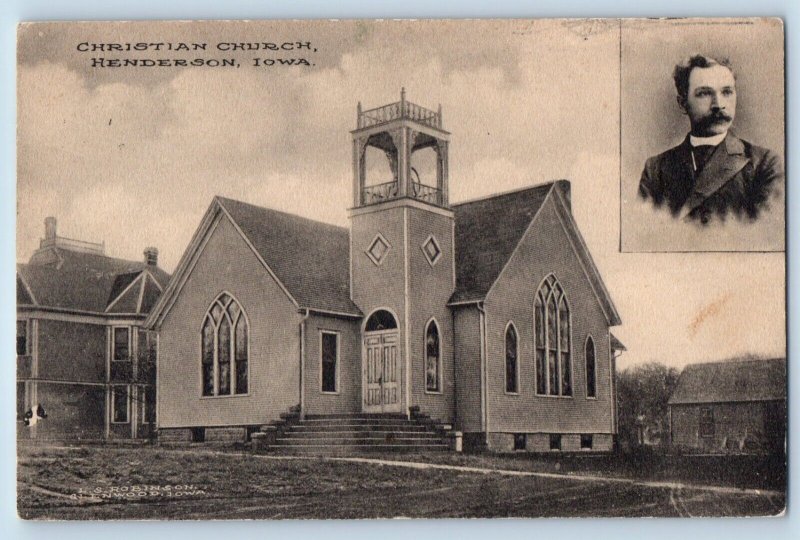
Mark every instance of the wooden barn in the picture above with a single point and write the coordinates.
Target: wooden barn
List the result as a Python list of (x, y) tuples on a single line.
[(730, 407)]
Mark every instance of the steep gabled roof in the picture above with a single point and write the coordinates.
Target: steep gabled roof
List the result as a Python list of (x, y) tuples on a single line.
[(310, 258), (80, 281), (732, 381), (487, 232)]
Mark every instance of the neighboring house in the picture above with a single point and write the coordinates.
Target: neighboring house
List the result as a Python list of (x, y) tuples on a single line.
[(734, 406), (85, 366), (489, 315)]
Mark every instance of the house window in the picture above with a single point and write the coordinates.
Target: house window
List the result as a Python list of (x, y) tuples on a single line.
[(555, 441), (512, 385), (519, 441), (591, 377), (224, 343), (330, 357), (119, 405), (122, 344), (553, 340), (22, 338), (706, 422), (433, 368), (586, 442)]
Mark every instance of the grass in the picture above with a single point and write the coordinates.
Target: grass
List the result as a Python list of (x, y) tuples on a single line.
[(97, 483)]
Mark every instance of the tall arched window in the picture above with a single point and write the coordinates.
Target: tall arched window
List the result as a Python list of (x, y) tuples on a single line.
[(512, 385), (433, 366), (224, 348), (591, 377), (552, 340)]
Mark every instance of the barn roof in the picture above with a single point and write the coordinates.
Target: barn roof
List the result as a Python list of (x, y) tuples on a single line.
[(309, 258), (74, 280), (731, 381)]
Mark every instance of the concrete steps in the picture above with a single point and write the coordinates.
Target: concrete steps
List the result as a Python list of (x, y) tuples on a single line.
[(341, 434)]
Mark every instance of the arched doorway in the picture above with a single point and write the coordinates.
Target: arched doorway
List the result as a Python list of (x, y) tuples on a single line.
[(381, 363)]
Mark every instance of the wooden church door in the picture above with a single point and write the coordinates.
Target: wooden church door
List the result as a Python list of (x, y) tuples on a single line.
[(381, 372)]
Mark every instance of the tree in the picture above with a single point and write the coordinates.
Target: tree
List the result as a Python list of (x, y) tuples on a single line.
[(642, 395)]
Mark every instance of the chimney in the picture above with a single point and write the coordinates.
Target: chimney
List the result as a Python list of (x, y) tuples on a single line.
[(50, 228), (151, 256), (564, 187)]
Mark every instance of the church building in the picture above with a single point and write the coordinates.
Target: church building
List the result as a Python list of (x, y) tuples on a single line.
[(488, 317)]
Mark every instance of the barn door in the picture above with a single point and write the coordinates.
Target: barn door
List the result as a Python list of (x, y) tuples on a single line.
[(381, 372)]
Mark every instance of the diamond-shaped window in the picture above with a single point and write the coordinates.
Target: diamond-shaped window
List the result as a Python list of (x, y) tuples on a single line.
[(378, 249), (431, 250)]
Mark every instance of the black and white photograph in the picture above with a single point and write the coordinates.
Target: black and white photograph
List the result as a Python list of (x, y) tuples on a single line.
[(702, 140), (372, 269)]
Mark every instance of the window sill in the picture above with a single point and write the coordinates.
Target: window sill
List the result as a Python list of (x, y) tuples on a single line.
[(225, 396), (323, 392), (120, 423), (434, 392), (515, 394), (590, 398), (554, 397)]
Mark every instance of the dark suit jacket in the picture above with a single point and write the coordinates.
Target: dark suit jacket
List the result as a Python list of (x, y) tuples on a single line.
[(739, 178)]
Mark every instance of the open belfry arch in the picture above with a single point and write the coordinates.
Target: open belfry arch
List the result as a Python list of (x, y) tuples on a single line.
[(399, 130)]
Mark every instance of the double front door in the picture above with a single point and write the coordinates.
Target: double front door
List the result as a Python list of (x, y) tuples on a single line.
[(381, 372)]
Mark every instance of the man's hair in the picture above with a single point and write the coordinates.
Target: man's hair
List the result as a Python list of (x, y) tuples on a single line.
[(683, 70)]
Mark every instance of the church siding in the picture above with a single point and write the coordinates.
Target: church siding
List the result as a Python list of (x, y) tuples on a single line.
[(430, 288), (228, 264), (347, 398), (545, 249), (467, 370)]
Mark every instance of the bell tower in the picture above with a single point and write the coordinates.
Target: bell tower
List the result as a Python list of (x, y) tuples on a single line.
[(402, 256)]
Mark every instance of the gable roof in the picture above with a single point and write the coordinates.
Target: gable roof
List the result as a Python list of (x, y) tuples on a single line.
[(486, 233), (310, 258), (81, 281), (732, 381)]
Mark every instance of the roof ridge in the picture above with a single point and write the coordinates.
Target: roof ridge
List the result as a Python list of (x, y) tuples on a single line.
[(735, 361), (275, 210), (509, 192)]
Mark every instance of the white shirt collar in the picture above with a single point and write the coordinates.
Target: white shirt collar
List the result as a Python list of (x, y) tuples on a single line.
[(702, 141)]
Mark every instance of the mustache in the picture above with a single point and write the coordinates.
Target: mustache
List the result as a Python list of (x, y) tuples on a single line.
[(720, 117)]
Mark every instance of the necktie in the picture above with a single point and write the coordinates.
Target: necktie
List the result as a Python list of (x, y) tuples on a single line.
[(700, 155)]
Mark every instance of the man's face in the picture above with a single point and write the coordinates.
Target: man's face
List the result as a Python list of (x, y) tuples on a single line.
[(711, 100)]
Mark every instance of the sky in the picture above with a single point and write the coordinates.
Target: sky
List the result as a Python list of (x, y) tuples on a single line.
[(132, 157)]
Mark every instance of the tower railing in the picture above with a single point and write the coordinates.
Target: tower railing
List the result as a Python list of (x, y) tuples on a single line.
[(398, 110), (388, 190)]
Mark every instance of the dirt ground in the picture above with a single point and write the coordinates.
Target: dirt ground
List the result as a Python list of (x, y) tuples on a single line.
[(106, 482)]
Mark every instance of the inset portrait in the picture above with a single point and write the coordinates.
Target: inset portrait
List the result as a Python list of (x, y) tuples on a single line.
[(702, 119)]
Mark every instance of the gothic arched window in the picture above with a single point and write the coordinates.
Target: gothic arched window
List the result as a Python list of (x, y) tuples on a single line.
[(591, 367), (512, 386), (224, 346), (552, 340), (433, 357)]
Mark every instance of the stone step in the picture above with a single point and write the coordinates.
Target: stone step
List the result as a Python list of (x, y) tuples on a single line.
[(411, 428), (359, 420), (382, 435), (398, 416), (347, 450), (361, 441)]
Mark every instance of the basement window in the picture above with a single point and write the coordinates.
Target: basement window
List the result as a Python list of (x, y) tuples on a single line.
[(586, 442), (555, 441), (198, 434), (520, 441)]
